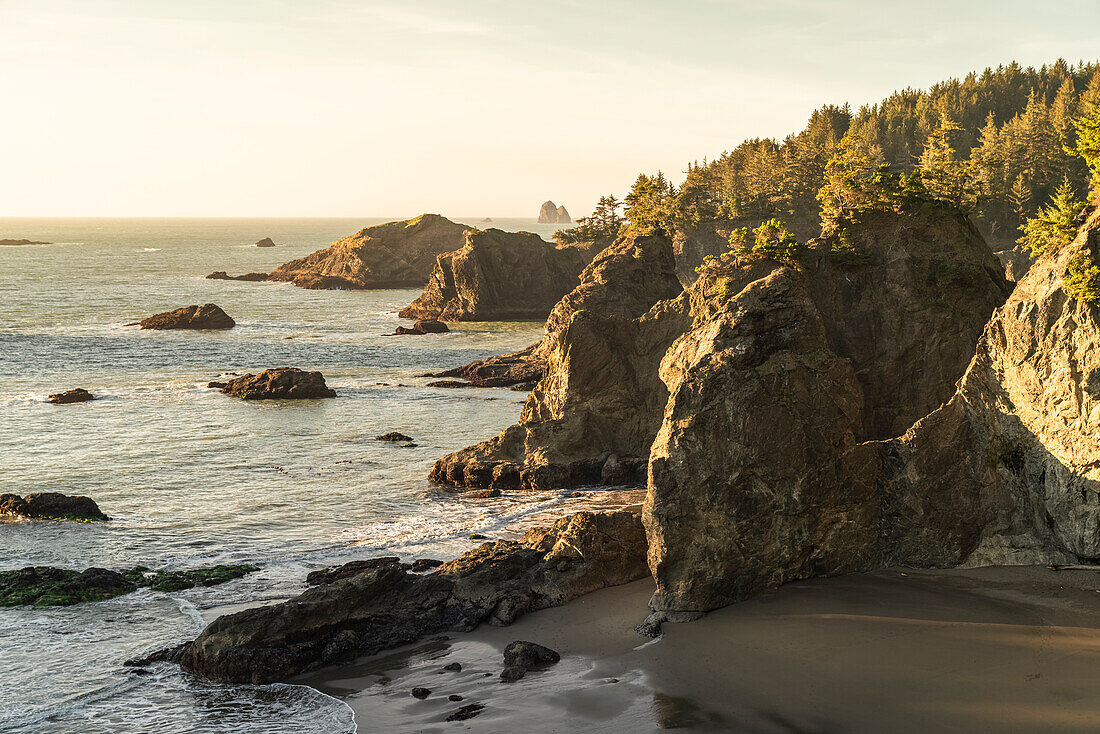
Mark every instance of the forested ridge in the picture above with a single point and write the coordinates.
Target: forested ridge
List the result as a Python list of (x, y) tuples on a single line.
[(1000, 144)]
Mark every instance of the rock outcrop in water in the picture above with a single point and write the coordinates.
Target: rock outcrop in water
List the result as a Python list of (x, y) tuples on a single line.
[(15, 243), (265, 242), (208, 316), (422, 327), (498, 276), (550, 213), (524, 367), (250, 277), (384, 606), (394, 255), (282, 383), (51, 506), (46, 586), (76, 395), (592, 417)]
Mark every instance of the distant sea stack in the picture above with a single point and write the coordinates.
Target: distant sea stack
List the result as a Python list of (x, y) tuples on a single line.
[(551, 213), (265, 242)]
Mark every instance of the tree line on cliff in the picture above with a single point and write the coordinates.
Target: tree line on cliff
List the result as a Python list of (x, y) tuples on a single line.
[(1006, 145)]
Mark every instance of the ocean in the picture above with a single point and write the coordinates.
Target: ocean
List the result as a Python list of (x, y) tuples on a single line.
[(191, 477)]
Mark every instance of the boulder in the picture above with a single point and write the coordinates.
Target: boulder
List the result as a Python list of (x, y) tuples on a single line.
[(424, 326), (51, 506), (386, 606), (251, 277), (600, 400), (498, 276), (76, 395), (551, 213), (504, 370), (529, 654), (282, 383), (394, 255), (265, 242), (208, 316)]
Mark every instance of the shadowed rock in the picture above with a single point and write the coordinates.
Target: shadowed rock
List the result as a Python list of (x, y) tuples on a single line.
[(76, 395), (51, 506), (425, 326)]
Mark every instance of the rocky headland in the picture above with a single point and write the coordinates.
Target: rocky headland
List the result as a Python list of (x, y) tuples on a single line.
[(207, 316), (498, 276)]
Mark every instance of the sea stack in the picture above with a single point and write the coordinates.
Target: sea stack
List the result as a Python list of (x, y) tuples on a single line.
[(551, 213)]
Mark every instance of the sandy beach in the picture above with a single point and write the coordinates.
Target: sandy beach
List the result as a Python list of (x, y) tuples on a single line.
[(981, 650)]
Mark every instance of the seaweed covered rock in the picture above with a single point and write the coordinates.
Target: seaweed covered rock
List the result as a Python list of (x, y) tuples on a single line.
[(207, 316), (42, 586), (51, 506), (393, 255), (385, 606), (498, 276), (282, 383)]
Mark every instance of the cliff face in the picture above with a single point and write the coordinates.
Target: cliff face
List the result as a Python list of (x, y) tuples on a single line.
[(498, 276), (594, 414), (393, 255), (755, 478), (550, 213)]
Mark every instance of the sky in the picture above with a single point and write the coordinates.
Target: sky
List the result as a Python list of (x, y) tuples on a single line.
[(366, 108)]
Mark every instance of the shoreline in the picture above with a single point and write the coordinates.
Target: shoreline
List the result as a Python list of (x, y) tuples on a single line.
[(966, 650)]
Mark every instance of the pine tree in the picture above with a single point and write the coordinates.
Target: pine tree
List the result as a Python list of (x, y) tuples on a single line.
[(945, 175), (1055, 225)]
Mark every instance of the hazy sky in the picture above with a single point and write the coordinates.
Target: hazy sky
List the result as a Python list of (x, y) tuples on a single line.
[(479, 107)]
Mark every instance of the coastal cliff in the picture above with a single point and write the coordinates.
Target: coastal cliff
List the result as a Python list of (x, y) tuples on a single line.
[(498, 276)]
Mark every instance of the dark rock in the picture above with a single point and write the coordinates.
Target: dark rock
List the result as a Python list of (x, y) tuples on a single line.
[(513, 672), (529, 655), (217, 385), (477, 536), (453, 667), (524, 367), (22, 242), (353, 568), (425, 564), (424, 326), (454, 697), (387, 607), (283, 383), (265, 242), (467, 712), (250, 277), (498, 276), (52, 506), (393, 436), (208, 316), (449, 384), (421, 693), (48, 586), (76, 395)]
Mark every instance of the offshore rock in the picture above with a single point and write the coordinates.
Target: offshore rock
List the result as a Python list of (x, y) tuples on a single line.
[(550, 213), (498, 276), (422, 327), (282, 383), (251, 277), (76, 395), (208, 316), (51, 506), (394, 255), (265, 242), (386, 606), (504, 370)]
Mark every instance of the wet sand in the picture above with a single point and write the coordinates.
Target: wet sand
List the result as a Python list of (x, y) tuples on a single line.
[(980, 650)]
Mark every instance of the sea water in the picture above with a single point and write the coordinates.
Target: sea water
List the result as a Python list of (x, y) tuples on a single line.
[(191, 477)]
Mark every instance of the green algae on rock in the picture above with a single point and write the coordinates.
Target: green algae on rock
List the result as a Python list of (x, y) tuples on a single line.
[(45, 586)]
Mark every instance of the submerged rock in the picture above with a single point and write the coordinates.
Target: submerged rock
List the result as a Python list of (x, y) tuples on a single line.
[(394, 436), (282, 383), (47, 586), (394, 255), (208, 316), (467, 712), (251, 277), (52, 506), (76, 395), (386, 606), (498, 276)]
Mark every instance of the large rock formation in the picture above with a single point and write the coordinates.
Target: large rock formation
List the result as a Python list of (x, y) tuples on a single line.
[(1004, 472), (207, 316), (392, 255), (550, 213), (498, 276), (385, 606), (592, 417)]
